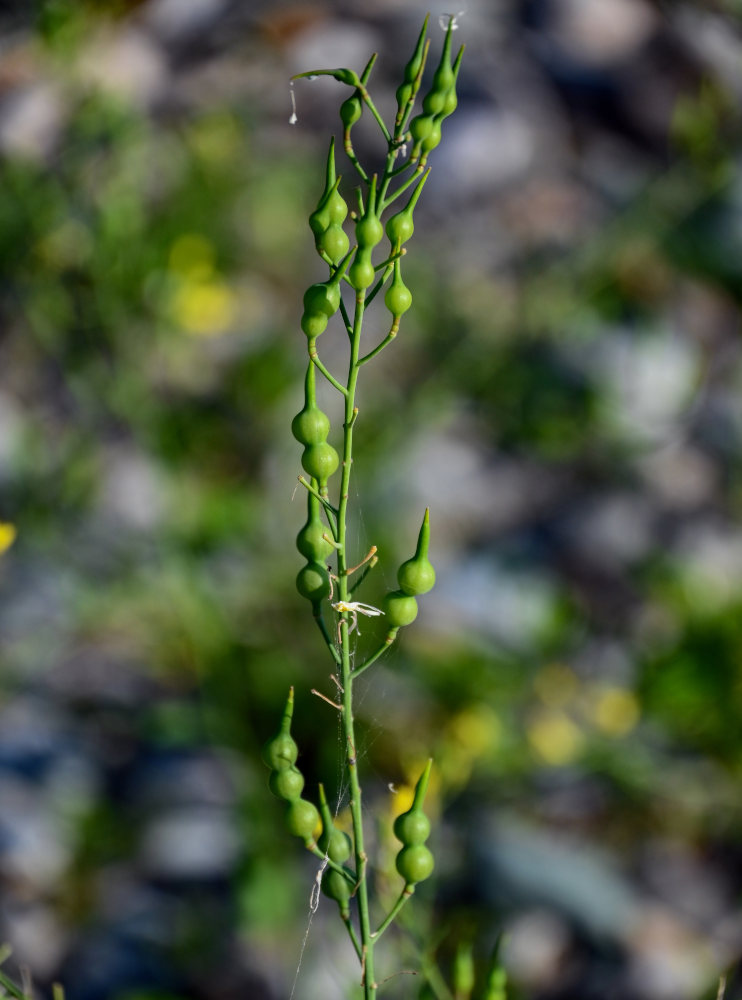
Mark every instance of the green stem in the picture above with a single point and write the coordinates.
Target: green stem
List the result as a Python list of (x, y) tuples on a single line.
[(329, 509), (330, 378), (404, 895), (391, 636), (365, 940), (379, 347)]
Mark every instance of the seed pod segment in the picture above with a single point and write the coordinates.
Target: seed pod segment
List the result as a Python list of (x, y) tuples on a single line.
[(302, 819), (417, 575), (398, 298), (337, 846), (320, 461), (369, 229), (287, 784), (310, 425), (400, 227), (334, 842), (313, 582), (281, 752), (400, 608), (320, 219), (310, 541), (451, 102)]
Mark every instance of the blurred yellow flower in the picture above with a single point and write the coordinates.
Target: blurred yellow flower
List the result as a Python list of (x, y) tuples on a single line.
[(203, 308), (192, 257), (7, 535), (555, 737), (616, 711)]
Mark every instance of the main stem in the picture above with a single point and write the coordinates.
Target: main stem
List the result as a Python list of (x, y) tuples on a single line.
[(366, 941)]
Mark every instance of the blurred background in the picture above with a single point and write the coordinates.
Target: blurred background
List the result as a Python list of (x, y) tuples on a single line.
[(566, 394)]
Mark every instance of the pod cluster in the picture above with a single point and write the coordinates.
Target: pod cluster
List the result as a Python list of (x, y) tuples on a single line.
[(438, 103), (286, 780), (415, 576), (415, 861)]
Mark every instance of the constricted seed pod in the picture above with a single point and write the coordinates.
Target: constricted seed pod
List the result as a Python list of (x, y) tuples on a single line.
[(369, 229), (415, 861), (398, 297), (400, 227), (417, 575), (281, 752), (443, 78), (313, 324), (313, 582), (400, 609), (411, 70)]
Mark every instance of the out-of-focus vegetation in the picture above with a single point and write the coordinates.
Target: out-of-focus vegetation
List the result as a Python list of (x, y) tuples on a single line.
[(573, 369)]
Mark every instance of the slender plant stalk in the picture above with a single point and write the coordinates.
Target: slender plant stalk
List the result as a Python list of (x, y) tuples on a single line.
[(355, 267)]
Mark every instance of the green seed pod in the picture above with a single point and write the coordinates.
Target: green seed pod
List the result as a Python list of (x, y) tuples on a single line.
[(420, 127), (322, 297), (413, 827), (334, 842), (369, 229), (400, 609), (361, 273), (281, 752), (443, 78), (309, 541), (341, 75), (433, 138), (320, 461), (451, 102), (400, 227), (398, 298), (415, 863), (287, 784), (412, 69), (310, 425), (313, 324), (417, 576), (320, 219), (338, 888), (334, 242), (302, 819), (313, 582), (351, 110), (336, 205)]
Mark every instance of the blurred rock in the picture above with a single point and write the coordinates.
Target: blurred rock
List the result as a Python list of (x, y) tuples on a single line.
[(127, 63), (31, 120), (191, 844)]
